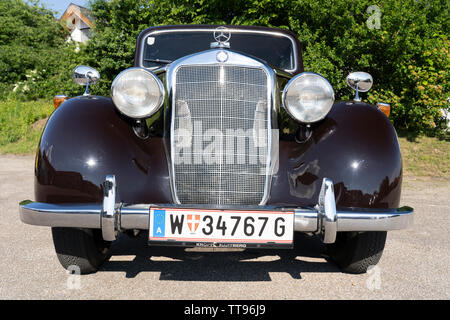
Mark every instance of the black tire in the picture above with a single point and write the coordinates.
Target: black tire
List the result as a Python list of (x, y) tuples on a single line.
[(354, 252), (84, 248)]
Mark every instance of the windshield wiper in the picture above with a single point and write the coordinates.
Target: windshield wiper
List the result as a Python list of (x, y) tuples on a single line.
[(158, 61)]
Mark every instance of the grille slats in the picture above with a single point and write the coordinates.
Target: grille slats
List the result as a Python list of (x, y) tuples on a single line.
[(220, 134)]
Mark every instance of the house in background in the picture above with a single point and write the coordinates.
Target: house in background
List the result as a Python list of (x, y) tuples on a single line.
[(79, 21)]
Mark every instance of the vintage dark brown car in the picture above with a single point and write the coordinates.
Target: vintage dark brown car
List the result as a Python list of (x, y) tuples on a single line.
[(218, 138)]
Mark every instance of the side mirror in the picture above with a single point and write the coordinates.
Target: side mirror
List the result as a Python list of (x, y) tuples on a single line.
[(85, 76), (359, 81)]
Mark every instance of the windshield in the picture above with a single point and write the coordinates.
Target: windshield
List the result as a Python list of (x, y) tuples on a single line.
[(163, 48)]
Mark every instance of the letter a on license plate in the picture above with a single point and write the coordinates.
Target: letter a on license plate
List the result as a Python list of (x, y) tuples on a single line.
[(159, 223)]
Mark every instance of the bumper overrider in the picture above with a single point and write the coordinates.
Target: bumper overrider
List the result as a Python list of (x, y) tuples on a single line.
[(112, 217)]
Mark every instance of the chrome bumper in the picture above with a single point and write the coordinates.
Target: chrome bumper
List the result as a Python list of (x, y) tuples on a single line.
[(113, 217)]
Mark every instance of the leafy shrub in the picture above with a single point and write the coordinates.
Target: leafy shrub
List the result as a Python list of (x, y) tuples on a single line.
[(35, 58), (403, 44), (423, 97), (17, 116)]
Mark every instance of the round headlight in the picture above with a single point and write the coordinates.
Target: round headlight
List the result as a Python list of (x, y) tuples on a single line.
[(308, 97), (137, 93)]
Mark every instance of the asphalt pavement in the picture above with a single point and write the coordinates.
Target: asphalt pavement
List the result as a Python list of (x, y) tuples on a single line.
[(415, 263)]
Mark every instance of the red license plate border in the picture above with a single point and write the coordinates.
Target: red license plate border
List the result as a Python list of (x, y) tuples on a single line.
[(234, 243)]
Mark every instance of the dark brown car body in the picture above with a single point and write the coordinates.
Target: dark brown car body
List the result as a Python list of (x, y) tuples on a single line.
[(86, 138)]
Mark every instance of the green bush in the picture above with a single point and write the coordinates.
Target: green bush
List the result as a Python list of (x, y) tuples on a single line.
[(35, 58), (16, 118), (403, 44)]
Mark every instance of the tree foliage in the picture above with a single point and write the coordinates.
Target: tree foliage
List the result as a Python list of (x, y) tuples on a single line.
[(33, 50), (402, 43)]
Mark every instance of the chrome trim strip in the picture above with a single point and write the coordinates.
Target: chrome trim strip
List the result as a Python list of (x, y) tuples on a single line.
[(61, 215), (108, 220), (396, 219), (113, 217), (305, 220), (327, 211), (137, 217), (235, 30), (134, 216)]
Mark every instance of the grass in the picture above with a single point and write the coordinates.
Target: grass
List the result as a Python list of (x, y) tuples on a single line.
[(21, 124), (426, 157)]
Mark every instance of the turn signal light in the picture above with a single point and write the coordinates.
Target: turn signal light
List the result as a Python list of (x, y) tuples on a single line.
[(385, 108), (57, 100)]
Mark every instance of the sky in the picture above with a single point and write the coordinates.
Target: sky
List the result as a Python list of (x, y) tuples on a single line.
[(61, 5)]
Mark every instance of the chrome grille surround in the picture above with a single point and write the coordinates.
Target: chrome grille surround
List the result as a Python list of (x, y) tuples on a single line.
[(192, 83)]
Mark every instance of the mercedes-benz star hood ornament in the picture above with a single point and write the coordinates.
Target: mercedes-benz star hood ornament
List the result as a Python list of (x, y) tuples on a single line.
[(222, 35)]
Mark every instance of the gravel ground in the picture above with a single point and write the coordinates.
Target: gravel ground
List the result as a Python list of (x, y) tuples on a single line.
[(415, 263)]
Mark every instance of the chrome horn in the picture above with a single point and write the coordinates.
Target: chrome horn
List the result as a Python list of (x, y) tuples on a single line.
[(359, 81), (84, 76)]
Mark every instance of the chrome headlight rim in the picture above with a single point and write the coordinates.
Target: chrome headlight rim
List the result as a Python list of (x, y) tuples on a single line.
[(290, 83), (158, 82)]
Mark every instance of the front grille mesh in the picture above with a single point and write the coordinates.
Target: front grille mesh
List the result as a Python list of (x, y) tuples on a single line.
[(219, 137)]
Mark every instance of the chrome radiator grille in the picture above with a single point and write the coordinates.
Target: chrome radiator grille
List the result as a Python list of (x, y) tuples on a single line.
[(220, 134)]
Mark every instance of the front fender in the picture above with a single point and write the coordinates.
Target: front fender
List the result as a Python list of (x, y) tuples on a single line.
[(86, 139), (356, 147)]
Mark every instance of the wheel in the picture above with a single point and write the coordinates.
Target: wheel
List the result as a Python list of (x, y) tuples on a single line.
[(83, 248), (354, 252)]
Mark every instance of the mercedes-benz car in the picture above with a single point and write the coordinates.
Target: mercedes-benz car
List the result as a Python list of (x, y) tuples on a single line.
[(217, 137)]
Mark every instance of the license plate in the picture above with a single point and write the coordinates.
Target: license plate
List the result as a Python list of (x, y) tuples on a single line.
[(221, 228)]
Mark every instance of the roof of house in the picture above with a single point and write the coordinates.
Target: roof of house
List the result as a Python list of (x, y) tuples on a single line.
[(83, 13)]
